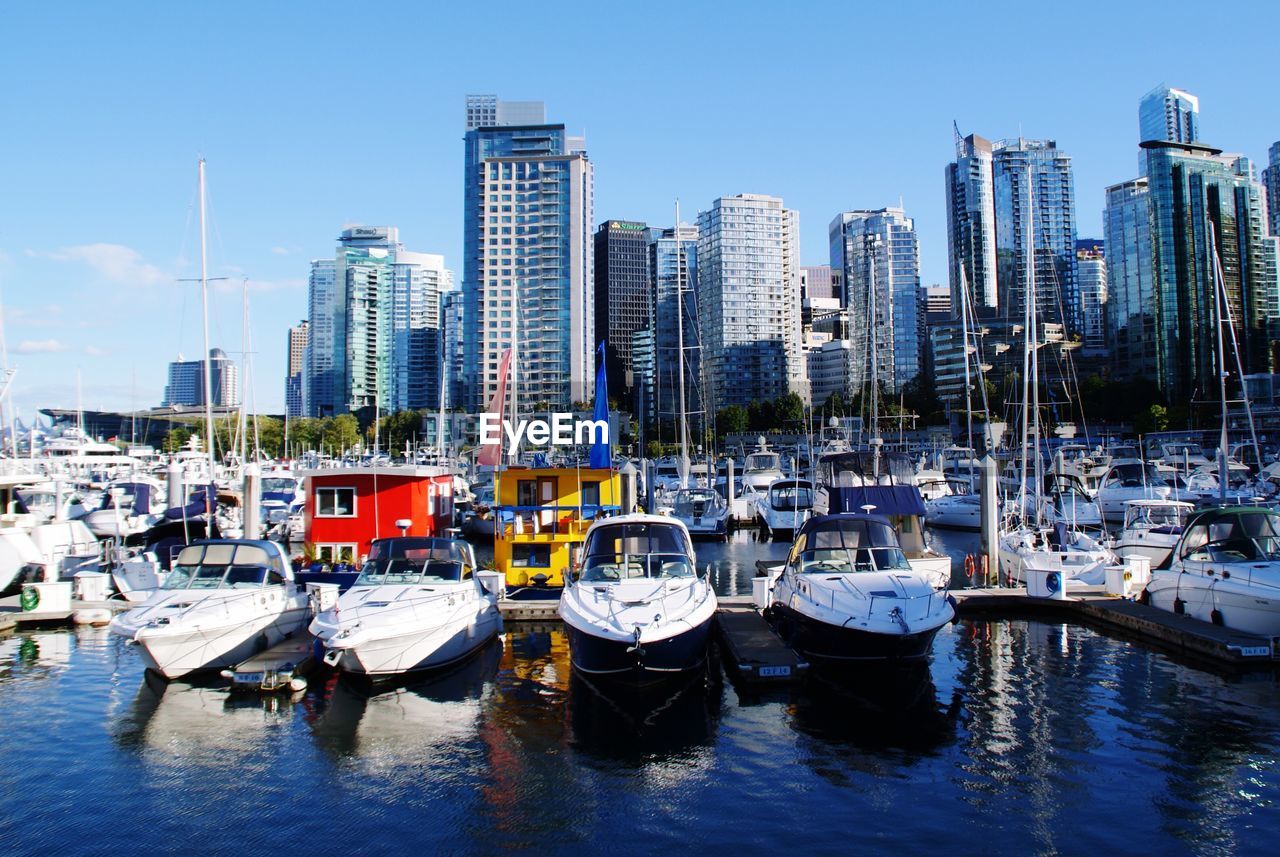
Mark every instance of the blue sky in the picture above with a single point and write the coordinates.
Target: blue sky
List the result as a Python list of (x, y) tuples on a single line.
[(315, 115)]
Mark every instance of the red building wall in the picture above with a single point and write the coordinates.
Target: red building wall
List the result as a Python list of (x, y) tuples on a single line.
[(397, 497)]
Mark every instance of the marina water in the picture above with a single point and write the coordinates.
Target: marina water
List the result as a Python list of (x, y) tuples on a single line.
[(1020, 737)]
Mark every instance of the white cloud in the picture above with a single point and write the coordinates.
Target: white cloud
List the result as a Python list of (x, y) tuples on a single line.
[(95, 351), (39, 346), (115, 262), (279, 251), (261, 285)]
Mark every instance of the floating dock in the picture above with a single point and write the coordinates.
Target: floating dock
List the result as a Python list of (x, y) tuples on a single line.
[(13, 617), (1181, 635), (754, 653), (274, 668)]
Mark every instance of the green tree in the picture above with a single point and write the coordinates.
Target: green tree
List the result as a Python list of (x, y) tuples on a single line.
[(788, 411), (732, 420), (341, 433), (835, 405), (177, 438), (1154, 418), (653, 449)]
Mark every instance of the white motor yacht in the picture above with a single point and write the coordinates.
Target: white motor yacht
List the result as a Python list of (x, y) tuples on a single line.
[(848, 594), (955, 512), (787, 504), (417, 605), (129, 508), (638, 609), (1225, 569), (1129, 479), (221, 602), (702, 511), (1151, 529)]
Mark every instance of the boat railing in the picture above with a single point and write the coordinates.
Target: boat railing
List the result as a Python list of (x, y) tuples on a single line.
[(549, 521)]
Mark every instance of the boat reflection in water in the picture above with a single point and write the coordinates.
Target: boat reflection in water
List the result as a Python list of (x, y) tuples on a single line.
[(409, 724), (202, 723)]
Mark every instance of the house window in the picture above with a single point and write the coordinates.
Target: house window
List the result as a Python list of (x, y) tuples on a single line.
[(591, 493), (531, 556), (335, 502), (332, 554)]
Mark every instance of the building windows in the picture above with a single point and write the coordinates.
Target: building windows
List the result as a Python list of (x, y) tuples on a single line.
[(333, 554), (335, 502)]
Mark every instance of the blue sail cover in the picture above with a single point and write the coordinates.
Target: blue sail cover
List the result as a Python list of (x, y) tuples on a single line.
[(199, 502), (889, 500), (600, 457)]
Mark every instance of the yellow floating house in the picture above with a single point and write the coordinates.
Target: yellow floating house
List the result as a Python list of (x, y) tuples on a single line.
[(543, 515)]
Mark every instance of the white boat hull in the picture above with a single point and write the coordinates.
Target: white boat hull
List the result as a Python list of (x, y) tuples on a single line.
[(1239, 606)]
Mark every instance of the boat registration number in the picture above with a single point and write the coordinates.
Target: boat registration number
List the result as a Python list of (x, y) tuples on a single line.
[(248, 678), (1255, 651), (766, 672)]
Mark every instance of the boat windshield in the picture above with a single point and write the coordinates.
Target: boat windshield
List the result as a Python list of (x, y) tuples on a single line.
[(1242, 537), (636, 538), (222, 566), (1135, 475), (413, 561), (626, 566), (696, 501), (791, 498), (1156, 516), (279, 485), (762, 461), (844, 546)]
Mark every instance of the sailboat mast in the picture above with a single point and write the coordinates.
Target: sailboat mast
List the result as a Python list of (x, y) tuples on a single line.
[(204, 307), (1028, 340), (1219, 303), (684, 427), (1034, 333), (875, 374)]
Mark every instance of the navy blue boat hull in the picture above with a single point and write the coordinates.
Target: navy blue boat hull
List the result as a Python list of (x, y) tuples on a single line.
[(605, 658), (833, 644)]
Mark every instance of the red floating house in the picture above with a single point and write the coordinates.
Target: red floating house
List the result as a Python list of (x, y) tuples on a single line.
[(349, 507)]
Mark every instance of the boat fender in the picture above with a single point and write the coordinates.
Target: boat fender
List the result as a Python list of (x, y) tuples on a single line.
[(297, 683), (1179, 606), (1216, 617), (317, 649)]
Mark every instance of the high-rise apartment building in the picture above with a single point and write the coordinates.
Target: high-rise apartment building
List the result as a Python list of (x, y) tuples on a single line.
[(1271, 181), (484, 111), (1091, 266), (186, 382), (451, 321), (1169, 114), (749, 300), (527, 280), (1130, 312), (622, 295), (295, 371), (1033, 180), (374, 326), (878, 256), (971, 222), (819, 282), (1201, 199), (673, 260)]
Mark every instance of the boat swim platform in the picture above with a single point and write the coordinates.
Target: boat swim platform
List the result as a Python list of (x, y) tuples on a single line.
[(1091, 606)]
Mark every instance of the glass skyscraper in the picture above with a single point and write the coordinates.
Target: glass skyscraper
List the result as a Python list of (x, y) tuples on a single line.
[(1091, 266), (1169, 114), (1271, 181), (622, 296), (527, 268), (749, 300), (374, 325), (1034, 176), (971, 224), (673, 258), (877, 253), (1130, 310), (1193, 187)]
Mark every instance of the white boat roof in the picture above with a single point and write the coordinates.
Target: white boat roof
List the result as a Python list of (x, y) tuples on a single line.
[(1150, 502)]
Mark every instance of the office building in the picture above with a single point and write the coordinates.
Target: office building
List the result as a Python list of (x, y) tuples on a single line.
[(831, 365), (749, 300), (819, 282), (878, 256), (1130, 317), (451, 321), (1201, 199), (1091, 267), (295, 370), (527, 280), (185, 387), (622, 296)]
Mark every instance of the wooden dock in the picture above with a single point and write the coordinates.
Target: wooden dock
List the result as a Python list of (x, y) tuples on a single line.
[(1091, 606)]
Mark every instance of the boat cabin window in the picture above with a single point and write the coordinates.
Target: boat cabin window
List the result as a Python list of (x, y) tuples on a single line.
[(637, 539), (414, 561), (762, 461), (223, 566), (844, 546), (1156, 516)]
